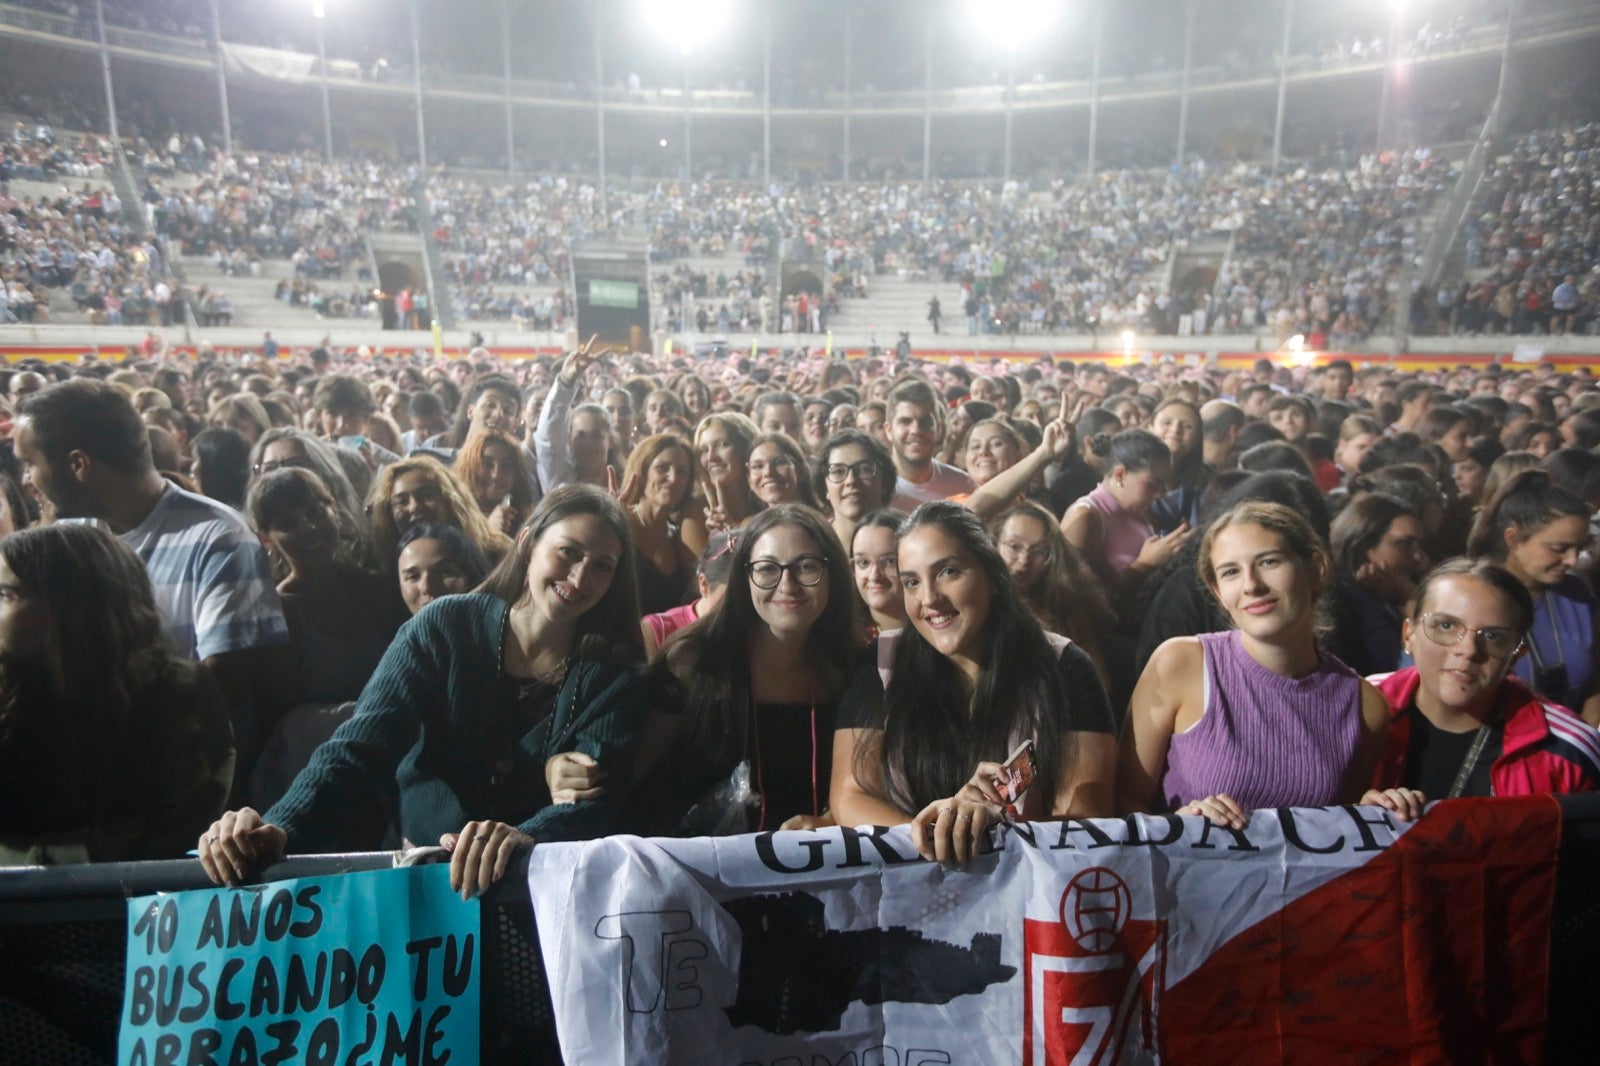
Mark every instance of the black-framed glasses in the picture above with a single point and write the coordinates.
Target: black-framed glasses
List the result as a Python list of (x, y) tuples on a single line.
[(1447, 631), (866, 470), (809, 570)]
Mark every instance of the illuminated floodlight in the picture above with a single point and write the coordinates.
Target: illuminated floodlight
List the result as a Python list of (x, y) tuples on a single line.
[(662, 142), (686, 24), (1127, 342), (1013, 23)]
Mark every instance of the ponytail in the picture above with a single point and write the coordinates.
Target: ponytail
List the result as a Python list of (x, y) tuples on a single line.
[(1528, 501)]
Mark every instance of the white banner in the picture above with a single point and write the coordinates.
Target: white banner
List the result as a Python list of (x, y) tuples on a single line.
[(1131, 940)]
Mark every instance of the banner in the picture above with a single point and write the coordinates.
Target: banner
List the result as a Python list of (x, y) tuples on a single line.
[(361, 967), (1331, 935)]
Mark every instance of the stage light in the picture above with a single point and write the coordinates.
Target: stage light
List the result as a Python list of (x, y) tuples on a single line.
[(662, 142), (686, 24), (1012, 23)]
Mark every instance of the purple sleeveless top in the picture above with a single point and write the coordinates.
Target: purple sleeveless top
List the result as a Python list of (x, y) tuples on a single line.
[(1265, 739), (1124, 532)]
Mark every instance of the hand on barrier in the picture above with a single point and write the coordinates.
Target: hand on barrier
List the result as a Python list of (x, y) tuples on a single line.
[(573, 776), (1219, 810), (1405, 803), (948, 831), (239, 845), (809, 821), (479, 855)]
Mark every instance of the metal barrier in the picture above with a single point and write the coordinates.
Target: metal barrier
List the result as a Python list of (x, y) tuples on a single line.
[(62, 950)]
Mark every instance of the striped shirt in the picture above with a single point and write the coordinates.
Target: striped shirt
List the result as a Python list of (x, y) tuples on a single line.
[(212, 583)]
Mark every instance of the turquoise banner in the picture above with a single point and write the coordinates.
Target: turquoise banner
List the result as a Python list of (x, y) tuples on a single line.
[(362, 967)]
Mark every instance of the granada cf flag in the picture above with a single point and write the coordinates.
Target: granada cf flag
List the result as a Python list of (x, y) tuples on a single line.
[(1334, 935)]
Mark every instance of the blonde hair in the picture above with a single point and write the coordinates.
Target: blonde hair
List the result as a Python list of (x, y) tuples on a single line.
[(462, 512)]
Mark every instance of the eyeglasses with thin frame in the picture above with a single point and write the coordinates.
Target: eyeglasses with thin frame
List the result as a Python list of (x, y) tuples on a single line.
[(1447, 631), (809, 570), (865, 470), (761, 466)]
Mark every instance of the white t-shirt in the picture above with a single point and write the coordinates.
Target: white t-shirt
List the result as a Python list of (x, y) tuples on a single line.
[(947, 481)]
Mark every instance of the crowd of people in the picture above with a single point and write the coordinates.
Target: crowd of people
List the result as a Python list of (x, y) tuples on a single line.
[(341, 602), (1318, 250)]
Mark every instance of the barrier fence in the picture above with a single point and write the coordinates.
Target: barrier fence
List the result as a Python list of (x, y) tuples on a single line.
[(64, 935)]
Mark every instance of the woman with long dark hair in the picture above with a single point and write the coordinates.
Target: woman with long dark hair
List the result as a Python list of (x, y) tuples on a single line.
[(111, 747), (1377, 540), (973, 676), (745, 697), (477, 693), (1059, 587)]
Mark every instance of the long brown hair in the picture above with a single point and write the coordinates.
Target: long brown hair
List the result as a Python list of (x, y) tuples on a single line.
[(609, 629), (469, 468)]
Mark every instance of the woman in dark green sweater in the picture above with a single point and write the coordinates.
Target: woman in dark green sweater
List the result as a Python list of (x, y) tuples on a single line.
[(474, 696)]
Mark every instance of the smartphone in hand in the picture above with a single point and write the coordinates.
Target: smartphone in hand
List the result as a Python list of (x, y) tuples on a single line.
[(1014, 778)]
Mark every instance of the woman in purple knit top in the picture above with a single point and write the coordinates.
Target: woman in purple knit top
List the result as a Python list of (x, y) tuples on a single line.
[(1225, 723)]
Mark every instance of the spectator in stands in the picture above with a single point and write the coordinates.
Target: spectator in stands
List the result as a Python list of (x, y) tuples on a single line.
[(1471, 471), (1110, 528), (420, 490), (711, 581), (1378, 540), (916, 429), (428, 420), (341, 616), (437, 560), (285, 447), (875, 563), (722, 441), (656, 489), (222, 466), (779, 472), (1460, 725), (741, 735), (1226, 723), (84, 448), (112, 748), (855, 475), (1536, 530), (1058, 586), (343, 404), (490, 464), (243, 414), (473, 699), (972, 674)]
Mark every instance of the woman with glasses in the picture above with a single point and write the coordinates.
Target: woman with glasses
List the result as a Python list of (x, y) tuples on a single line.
[(289, 447), (877, 572), (1059, 588), (1536, 530), (778, 471), (973, 677), (855, 475), (1222, 724), (1461, 725), (741, 738)]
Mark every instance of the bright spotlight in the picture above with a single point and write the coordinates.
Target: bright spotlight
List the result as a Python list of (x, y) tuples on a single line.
[(662, 142), (686, 24), (1012, 23)]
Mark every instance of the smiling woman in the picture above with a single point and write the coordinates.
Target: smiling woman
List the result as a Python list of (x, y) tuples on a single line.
[(1224, 723), (476, 694), (745, 697), (972, 677)]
